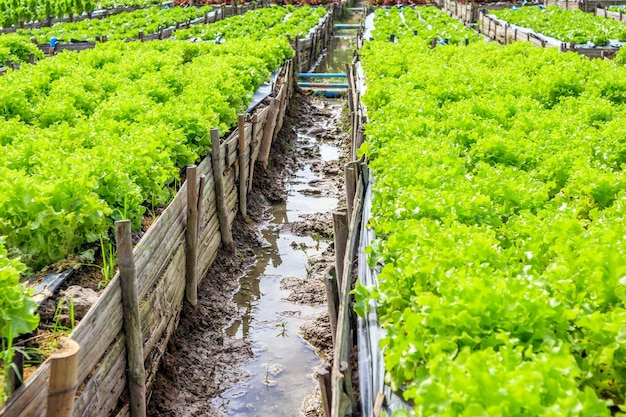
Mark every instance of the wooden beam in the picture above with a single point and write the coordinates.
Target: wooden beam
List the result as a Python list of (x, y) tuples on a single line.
[(132, 325), (191, 237), (220, 197)]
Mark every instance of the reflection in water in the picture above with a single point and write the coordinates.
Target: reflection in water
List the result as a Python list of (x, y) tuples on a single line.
[(281, 371)]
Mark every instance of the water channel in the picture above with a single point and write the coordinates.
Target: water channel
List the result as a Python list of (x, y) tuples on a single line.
[(281, 373)]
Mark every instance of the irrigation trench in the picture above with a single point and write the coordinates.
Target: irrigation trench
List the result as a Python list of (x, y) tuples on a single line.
[(261, 327)]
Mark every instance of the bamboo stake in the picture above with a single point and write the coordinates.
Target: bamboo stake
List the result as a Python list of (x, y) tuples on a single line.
[(340, 236), (132, 324), (323, 377), (191, 237), (243, 174), (298, 66), (268, 133), (350, 170), (332, 294), (255, 125), (62, 382), (220, 198), (201, 198)]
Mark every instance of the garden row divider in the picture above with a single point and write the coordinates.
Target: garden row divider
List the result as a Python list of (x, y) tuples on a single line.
[(588, 6), (469, 12), (161, 264), (504, 33), (96, 14), (219, 13), (604, 12), (340, 278)]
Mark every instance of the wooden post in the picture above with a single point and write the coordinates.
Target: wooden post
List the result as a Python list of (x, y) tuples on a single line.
[(201, 199), (297, 53), (31, 58), (62, 382), (350, 171), (268, 133), (255, 126), (220, 198), (132, 324), (322, 374), (16, 372), (340, 236), (243, 173), (191, 237), (332, 295)]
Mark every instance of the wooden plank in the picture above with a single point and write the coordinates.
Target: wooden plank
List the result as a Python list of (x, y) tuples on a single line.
[(101, 324), (163, 302), (136, 373), (100, 394), (208, 252), (160, 348), (191, 237), (124, 412), (31, 398), (153, 240), (218, 171), (342, 397), (243, 158)]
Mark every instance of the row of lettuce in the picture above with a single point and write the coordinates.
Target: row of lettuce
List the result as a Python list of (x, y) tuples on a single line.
[(91, 137), (124, 26), (566, 25), (499, 205), (260, 24)]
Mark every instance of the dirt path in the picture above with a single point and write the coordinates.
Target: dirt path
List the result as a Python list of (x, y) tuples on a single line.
[(217, 356)]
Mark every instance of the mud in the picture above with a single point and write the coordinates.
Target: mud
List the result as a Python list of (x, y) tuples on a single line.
[(202, 360)]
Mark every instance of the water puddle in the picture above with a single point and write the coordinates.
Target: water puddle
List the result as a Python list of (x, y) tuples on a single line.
[(281, 374)]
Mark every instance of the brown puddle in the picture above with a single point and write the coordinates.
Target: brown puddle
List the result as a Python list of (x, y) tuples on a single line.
[(281, 373)]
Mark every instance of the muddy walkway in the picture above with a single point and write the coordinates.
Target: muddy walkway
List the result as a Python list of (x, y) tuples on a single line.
[(261, 328)]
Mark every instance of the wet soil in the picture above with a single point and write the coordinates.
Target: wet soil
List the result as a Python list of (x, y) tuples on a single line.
[(206, 357)]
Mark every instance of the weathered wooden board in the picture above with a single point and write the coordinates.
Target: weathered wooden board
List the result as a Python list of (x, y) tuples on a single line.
[(100, 393), (101, 325), (166, 297), (31, 398)]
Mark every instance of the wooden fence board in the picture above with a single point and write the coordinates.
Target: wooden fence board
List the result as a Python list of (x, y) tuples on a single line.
[(31, 396), (101, 324), (166, 297), (105, 385)]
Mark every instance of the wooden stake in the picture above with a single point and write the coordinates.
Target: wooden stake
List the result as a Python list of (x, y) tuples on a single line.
[(323, 377), (298, 67), (255, 126), (132, 325), (350, 172), (332, 294), (191, 237), (62, 382), (201, 198), (243, 173), (220, 198), (340, 236), (268, 133)]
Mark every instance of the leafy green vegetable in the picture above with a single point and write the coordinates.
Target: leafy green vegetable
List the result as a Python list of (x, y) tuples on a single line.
[(121, 26), (17, 311), (566, 25), (499, 204)]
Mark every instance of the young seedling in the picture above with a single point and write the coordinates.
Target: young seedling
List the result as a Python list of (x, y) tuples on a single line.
[(283, 329)]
